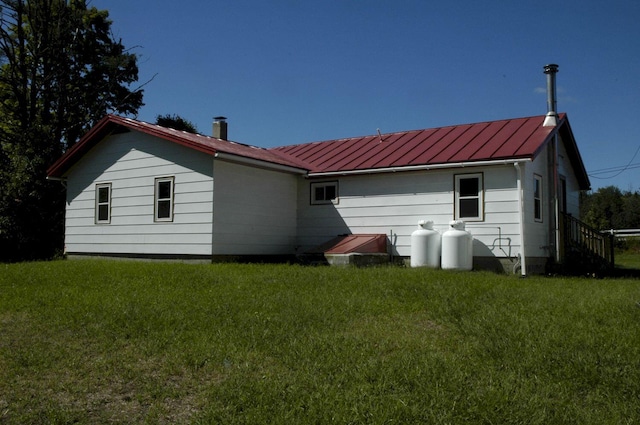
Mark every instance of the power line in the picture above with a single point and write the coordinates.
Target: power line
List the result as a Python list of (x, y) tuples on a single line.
[(618, 170), (610, 169), (614, 170)]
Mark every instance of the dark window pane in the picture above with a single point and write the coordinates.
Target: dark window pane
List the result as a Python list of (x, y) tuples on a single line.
[(538, 209), (103, 213), (164, 190), (469, 187), (330, 192), (164, 209), (319, 191), (536, 190), (469, 208), (103, 195)]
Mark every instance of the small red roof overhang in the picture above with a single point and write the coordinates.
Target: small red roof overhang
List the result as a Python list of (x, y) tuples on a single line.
[(348, 244)]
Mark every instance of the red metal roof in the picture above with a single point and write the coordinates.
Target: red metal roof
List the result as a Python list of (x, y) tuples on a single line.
[(520, 138), (206, 144), (512, 139)]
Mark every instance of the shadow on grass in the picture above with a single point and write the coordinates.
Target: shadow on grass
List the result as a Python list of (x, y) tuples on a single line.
[(621, 271)]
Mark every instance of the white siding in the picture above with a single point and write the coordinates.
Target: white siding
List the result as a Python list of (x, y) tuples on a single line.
[(130, 162), (255, 211), (393, 203), (539, 237), (573, 190)]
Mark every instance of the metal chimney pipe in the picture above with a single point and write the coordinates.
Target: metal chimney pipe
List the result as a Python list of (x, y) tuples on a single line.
[(220, 128), (552, 104)]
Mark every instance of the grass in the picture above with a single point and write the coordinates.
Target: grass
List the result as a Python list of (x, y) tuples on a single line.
[(627, 255), (124, 342), (627, 260)]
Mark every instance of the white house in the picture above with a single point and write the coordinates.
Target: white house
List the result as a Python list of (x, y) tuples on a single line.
[(140, 190)]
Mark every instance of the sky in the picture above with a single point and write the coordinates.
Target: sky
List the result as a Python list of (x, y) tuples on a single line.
[(294, 71)]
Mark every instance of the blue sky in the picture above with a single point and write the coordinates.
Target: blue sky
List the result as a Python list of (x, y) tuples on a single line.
[(294, 71)]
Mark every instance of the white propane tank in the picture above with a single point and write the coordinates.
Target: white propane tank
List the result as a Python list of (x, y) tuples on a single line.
[(457, 247), (425, 246)]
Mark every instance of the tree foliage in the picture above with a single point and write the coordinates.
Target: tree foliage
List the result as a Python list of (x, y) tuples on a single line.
[(176, 122), (610, 208), (61, 70)]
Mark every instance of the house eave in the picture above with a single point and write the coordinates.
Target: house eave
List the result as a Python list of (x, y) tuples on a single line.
[(425, 167)]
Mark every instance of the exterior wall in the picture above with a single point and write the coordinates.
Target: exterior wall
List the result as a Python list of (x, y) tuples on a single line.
[(540, 235), (573, 189), (255, 210), (131, 162), (539, 239), (393, 203)]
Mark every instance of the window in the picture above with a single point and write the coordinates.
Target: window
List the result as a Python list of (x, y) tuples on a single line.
[(469, 198), (164, 199), (324, 193), (103, 203), (563, 194), (537, 198)]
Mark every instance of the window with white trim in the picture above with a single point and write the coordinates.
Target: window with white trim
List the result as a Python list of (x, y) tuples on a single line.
[(324, 193), (164, 199), (537, 198), (469, 197), (103, 203)]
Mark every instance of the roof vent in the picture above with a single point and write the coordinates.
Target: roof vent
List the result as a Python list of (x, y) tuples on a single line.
[(552, 114), (220, 128)]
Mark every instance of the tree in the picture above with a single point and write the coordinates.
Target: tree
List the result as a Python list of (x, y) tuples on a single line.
[(604, 208), (61, 70), (176, 122), (631, 211)]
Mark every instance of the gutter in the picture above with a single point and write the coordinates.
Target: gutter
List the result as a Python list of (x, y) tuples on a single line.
[(258, 163), (62, 180), (466, 164)]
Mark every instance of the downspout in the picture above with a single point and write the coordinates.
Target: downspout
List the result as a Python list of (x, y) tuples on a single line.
[(520, 188), (556, 203)]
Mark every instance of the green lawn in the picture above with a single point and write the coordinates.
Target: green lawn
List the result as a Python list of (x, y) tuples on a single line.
[(629, 259), (127, 342)]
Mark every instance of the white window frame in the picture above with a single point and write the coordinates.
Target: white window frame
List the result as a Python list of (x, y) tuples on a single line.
[(322, 186), (537, 198), (479, 197), (107, 203), (158, 200)]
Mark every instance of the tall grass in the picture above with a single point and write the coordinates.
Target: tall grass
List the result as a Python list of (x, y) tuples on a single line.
[(98, 342)]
